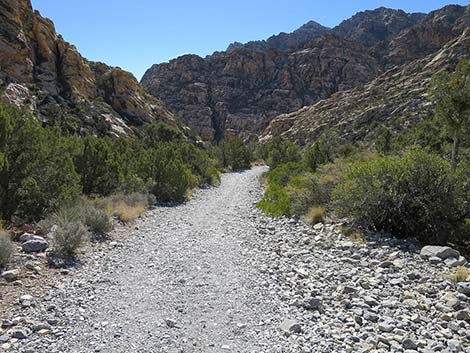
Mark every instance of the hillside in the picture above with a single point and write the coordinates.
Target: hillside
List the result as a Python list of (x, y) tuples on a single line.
[(238, 92), (38, 68), (397, 99)]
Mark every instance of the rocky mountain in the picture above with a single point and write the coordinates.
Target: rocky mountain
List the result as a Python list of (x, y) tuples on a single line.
[(372, 27), (426, 37), (239, 91), (367, 28), (38, 68), (284, 41), (397, 99)]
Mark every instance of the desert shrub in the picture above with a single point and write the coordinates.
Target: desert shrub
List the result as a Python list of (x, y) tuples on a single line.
[(173, 181), (126, 207), (317, 154), (96, 220), (276, 200), (127, 212), (315, 215), (460, 274), (36, 169), (153, 134), (413, 195), (278, 151), (7, 248), (305, 192), (201, 164), (68, 237)]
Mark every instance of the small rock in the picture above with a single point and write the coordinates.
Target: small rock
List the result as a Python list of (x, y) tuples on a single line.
[(464, 288), (463, 315), (313, 304), (19, 333), (290, 326), (386, 327), (11, 275), (435, 260), (454, 262), (26, 300), (170, 323), (408, 343)]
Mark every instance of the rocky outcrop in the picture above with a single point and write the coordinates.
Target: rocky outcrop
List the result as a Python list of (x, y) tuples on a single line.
[(38, 68), (240, 91), (396, 99)]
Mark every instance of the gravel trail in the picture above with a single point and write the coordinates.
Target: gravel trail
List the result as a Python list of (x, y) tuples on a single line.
[(183, 283), (217, 275)]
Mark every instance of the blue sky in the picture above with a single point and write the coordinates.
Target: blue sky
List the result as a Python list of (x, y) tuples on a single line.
[(136, 34)]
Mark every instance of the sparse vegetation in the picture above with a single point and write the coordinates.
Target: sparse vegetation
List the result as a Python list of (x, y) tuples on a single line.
[(97, 221), (7, 248), (460, 274), (315, 215)]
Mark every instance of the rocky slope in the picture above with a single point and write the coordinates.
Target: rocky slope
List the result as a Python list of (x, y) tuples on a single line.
[(40, 69), (240, 91), (397, 99)]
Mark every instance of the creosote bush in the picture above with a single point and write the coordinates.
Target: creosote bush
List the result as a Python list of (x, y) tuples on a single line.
[(415, 195), (7, 248)]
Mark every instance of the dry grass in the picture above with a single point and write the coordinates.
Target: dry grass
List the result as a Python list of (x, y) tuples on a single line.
[(355, 235), (315, 215), (127, 213), (460, 274)]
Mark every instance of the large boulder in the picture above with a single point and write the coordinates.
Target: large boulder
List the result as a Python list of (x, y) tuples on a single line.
[(442, 252), (35, 245)]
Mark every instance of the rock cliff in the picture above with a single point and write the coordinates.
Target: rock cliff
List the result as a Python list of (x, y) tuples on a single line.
[(240, 91), (40, 69)]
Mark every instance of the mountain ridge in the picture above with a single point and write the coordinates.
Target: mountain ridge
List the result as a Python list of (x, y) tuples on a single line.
[(239, 91)]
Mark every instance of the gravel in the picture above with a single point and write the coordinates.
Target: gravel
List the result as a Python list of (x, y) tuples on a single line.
[(215, 274)]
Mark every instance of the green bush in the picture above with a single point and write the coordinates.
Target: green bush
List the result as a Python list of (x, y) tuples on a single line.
[(317, 154), (7, 248), (276, 200), (235, 154), (278, 151), (415, 195), (36, 170), (305, 192), (172, 181), (98, 167)]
